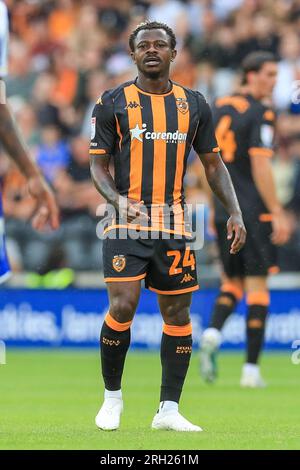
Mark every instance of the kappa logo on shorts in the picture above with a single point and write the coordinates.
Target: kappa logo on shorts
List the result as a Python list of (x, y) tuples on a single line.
[(182, 105), (119, 263), (187, 278)]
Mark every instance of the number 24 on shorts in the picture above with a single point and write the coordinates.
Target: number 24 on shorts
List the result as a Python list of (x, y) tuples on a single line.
[(188, 260)]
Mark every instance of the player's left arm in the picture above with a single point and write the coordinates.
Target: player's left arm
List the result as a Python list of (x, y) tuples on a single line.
[(217, 175)]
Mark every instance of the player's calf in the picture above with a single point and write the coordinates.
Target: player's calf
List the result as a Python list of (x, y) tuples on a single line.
[(211, 338), (258, 304)]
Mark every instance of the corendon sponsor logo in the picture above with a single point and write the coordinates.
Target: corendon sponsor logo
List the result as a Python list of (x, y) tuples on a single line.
[(169, 137)]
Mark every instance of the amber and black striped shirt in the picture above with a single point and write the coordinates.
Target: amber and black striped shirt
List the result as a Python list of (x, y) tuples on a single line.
[(244, 128), (150, 137)]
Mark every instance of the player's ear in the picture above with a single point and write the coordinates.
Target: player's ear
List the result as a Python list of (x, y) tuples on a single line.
[(132, 55), (173, 55)]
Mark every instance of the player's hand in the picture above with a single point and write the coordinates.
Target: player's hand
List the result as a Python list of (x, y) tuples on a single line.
[(46, 212), (131, 210), (281, 227), (235, 225)]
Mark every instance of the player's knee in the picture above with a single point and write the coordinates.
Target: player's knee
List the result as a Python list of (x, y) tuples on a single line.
[(122, 308), (176, 316), (258, 303), (231, 292), (257, 319), (226, 299)]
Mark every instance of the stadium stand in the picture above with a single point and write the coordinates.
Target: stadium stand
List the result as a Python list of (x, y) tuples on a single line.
[(64, 53)]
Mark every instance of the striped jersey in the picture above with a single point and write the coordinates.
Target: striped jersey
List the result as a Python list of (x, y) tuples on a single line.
[(244, 128), (150, 137)]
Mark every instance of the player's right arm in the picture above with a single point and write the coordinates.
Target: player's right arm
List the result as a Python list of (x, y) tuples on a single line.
[(102, 145), (262, 173)]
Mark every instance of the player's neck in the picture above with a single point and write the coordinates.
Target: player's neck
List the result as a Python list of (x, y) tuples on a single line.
[(158, 85), (253, 91)]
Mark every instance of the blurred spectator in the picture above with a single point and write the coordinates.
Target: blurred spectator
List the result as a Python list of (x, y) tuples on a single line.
[(288, 69), (53, 154), (171, 12), (96, 85), (65, 53), (21, 77), (78, 200), (75, 190), (184, 61), (62, 20)]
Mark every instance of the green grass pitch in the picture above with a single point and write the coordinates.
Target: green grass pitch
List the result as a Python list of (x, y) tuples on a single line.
[(48, 400)]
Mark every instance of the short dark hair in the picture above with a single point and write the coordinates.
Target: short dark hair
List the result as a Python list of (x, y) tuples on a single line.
[(254, 61), (148, 25)]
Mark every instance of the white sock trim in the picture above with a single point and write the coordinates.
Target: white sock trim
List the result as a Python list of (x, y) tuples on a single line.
[(251, 369), (113, 394), (166, 406)]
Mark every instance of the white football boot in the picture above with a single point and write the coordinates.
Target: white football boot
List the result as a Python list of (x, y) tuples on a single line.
[(109, 415), (170, 419), (209, 346), (251, 377)]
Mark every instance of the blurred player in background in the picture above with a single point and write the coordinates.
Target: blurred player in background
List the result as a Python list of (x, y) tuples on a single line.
[(244, 125), (132, 123), (46, 210)]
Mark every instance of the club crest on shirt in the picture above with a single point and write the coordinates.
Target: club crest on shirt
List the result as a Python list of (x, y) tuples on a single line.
[(182, 105), (119, 263)]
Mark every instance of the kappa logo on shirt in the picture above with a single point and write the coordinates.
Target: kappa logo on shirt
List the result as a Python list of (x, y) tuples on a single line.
[(133, 105)]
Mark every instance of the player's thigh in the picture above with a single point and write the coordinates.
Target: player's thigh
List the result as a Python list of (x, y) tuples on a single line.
[(255, 284), (233, 265), (237, 281), (259, 253), (231, 285), (125, 263), (175, 309), (125, 259)]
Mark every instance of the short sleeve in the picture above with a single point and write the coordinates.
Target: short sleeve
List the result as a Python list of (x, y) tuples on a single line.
[(205, 140), (103, 127), (262, 133)]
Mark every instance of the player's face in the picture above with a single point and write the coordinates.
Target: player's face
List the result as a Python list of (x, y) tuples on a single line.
[(153, 53), (266, 78)]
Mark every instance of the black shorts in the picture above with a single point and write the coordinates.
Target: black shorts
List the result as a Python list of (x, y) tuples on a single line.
[(167, 265), (256, 258)]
